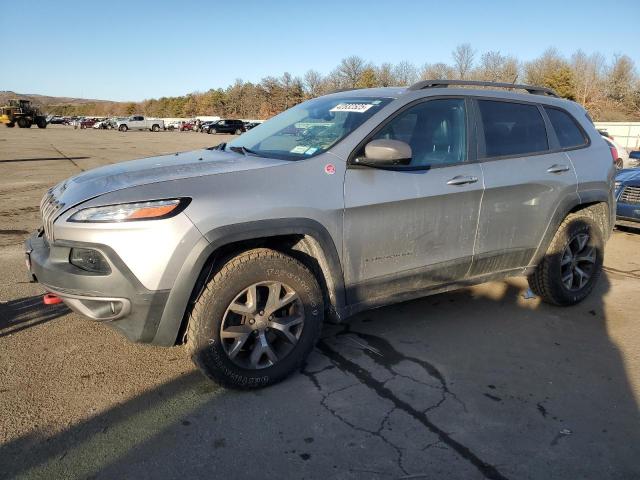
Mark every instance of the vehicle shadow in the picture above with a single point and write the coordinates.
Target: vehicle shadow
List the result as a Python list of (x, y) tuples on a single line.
[(27, 312), (41, 159), (476, 383)]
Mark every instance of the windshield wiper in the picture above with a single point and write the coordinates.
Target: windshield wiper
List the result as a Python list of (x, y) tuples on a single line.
[(243, 150), (220, 146)]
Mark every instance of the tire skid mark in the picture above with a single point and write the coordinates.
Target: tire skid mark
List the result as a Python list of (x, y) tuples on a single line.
[(624, 273), (23, 189), (383, 353)]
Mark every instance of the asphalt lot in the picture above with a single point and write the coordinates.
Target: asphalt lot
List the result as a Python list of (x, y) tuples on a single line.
[(477, 383)]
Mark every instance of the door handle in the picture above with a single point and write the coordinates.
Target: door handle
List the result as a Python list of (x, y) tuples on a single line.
[(462, 180), (558, 168)]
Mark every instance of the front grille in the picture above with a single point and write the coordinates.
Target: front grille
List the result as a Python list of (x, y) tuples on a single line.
[(49, 208), (630, 195)]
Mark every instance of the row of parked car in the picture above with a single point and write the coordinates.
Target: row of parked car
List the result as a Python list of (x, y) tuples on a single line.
[(627, 186), (139, 122), (624, 158)]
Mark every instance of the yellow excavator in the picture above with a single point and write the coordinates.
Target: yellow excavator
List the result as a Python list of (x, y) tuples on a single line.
[(22, 113)]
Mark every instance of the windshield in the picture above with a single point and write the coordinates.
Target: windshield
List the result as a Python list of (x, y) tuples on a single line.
[(309, 128)]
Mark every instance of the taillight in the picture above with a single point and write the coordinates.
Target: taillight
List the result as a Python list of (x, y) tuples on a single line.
[(614, 153)]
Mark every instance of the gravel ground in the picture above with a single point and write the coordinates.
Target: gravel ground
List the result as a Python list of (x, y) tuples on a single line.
[(477, 383)]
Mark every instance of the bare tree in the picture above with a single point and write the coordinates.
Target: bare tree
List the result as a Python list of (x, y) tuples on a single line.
[(313, 83), (588, 72), (385, 75), (537, 71), (436, 71), (463, 57), (350, 70), (608, 92), (495, 67), (621, 78), (405, 73)]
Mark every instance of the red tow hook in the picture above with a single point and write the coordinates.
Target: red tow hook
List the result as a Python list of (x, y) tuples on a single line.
[(51, 299)]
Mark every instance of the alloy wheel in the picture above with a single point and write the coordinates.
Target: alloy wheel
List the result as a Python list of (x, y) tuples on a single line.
[(578, 262), (262, 325)]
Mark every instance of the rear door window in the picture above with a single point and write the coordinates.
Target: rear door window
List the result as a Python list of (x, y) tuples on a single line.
[(512, 129), (567, 130)]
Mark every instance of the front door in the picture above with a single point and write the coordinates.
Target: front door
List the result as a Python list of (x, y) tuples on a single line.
[(413, 227)]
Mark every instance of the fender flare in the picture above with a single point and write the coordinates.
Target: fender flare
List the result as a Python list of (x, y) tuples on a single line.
[(565, 207), (181, 293)]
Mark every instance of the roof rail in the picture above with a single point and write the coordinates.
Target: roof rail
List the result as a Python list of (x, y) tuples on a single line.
[(477, 83)]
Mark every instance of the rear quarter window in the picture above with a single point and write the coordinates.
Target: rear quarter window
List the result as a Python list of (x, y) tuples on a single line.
[(512, 129), (569, 134)]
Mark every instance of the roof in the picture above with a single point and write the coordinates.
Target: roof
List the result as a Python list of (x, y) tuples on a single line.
[(497, 92)]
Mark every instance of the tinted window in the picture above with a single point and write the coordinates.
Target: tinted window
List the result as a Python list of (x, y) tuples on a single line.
[(568, 133), (435, 130), (512, 128)]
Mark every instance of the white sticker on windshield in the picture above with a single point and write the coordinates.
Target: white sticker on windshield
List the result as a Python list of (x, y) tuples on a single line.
[(299, 149), (352, 107), (311, 151)]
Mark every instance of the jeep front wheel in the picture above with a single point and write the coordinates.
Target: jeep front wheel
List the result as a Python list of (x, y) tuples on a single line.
[(123, 128), (256, 321), (571, 267)]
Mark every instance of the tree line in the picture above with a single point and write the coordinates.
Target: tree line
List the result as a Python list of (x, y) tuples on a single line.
[(608, 88)]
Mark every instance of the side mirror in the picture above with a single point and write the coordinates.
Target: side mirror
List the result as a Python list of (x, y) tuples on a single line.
[(635, 155), (385, 153)]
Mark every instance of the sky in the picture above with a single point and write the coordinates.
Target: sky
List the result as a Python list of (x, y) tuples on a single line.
[(134, 50)]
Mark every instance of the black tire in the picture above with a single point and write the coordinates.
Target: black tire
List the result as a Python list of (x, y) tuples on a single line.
[(11, 124), (204, 340), (547, 279), (155, 128), (238, 131), (42, 124), (123, 128), (171, 128), (22, 122)]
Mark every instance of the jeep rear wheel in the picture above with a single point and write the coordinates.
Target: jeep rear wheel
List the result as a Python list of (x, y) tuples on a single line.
[(155, 128), (571, 267), (256, 321)]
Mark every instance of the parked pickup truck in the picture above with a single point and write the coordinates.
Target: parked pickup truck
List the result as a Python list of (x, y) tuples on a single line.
[(138, 122)]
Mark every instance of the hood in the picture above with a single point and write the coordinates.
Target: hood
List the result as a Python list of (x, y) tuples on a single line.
[(163, 168), (629, 175)]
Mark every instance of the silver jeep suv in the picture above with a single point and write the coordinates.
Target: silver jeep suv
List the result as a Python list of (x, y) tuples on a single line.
[(343, 203)]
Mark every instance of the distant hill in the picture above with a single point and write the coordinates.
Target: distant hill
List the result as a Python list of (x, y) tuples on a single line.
[(45, 100)]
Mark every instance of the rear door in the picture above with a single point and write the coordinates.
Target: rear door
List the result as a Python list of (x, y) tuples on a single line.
[(527, 177), (410, 228)]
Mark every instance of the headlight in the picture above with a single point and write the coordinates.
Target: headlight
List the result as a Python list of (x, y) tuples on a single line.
[(617, 185), (127, 212)]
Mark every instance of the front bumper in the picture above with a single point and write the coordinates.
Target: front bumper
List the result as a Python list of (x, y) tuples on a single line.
[(628, 214), (117, 299)]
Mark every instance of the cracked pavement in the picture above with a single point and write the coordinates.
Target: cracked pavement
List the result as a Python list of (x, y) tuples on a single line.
[(481, 383)]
